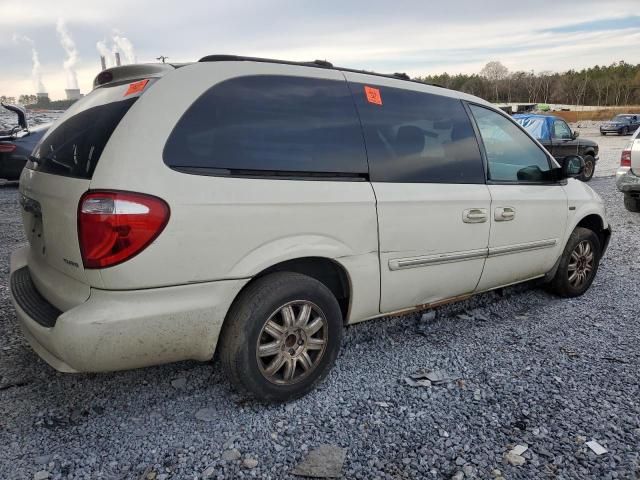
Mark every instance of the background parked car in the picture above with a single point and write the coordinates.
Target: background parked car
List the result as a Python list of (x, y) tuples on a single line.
[(628, 175), (556, 136), (17, 143), (621, 124)]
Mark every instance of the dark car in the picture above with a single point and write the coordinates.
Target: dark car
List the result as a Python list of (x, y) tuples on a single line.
[(17, 143), (556, 136), (623, 124)]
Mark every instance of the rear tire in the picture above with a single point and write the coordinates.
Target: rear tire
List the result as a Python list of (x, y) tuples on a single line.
[(632, 204), (578, 265), (281, 337), (589, 168)]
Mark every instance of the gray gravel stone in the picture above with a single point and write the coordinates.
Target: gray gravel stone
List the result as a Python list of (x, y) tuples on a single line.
[(179, 383), (250, 463), (231, 455), (323, 462)]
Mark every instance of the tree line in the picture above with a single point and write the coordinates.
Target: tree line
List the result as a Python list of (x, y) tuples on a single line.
[(616, 84)]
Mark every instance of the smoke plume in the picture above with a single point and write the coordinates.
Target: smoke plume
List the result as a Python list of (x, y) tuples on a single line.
[(72, 54), (36, 73), (120, 44), (104, 52), (125, 46)]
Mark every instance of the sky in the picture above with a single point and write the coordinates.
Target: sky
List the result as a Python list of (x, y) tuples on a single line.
[(412, 36)]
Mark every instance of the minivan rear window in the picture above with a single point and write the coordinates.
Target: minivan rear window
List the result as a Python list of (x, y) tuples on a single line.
[(270, 125), (73, 146)]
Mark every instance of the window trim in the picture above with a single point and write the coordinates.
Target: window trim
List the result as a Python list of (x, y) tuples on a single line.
[(483, 150), (273, 174)]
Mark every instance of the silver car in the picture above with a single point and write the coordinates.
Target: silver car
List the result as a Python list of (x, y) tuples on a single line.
[(628, 175)]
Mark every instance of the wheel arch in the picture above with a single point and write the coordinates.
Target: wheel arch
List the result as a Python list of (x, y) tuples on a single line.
[(327, 271), (596, 223)]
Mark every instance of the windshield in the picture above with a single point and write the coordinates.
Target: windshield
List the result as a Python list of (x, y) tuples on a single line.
[(621, 118), (74, 144)]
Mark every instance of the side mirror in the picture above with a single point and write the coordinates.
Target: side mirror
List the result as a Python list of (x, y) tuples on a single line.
[(575, 134), (573, 166)]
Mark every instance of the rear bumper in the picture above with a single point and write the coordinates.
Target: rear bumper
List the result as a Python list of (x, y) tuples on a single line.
[(627, 181), (117, 330)]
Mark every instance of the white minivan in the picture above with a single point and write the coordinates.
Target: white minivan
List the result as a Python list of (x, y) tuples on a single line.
[(255, 207)]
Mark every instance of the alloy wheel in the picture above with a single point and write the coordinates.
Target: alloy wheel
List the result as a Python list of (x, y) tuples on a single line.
[(581, 264), (292, 342), (588, 169)]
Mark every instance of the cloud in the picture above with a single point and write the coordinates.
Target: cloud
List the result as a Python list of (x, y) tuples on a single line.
[(410, 36)]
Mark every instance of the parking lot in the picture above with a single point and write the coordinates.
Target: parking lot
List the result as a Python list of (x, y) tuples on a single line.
[(523, 368)]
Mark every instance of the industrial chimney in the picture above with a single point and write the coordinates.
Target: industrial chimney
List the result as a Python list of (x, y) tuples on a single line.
[(117, 59), (103, 62)]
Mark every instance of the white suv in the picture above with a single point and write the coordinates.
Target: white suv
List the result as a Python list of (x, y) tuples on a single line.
[(255, 207)]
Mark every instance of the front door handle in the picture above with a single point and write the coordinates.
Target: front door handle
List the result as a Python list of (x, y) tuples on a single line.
[(504, 214), (474, 215)]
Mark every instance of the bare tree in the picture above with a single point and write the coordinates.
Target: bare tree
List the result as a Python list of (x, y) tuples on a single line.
[(494, 72)]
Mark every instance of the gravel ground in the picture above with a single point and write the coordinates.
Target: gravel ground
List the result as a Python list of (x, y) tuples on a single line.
[(529, 368)]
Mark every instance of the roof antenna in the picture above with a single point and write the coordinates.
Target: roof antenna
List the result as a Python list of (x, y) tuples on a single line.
[(162, 58)]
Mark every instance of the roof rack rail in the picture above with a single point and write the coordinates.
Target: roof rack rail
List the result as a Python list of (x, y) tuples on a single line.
[(239, 58), (314, 63)]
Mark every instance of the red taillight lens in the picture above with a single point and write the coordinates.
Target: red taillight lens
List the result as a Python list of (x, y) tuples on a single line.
[(625, 158), (7, 147), (115, 226)]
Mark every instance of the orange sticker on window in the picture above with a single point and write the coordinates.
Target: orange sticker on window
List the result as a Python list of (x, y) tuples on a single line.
[(136, 87), (373, 95)]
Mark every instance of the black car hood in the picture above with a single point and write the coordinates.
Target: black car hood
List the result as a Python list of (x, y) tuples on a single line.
[(585, 142)]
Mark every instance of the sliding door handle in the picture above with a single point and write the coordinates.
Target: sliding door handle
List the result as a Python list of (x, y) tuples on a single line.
[(504, 214), (474, 215)]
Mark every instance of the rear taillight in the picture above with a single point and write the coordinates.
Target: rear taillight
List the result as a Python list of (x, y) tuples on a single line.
[(7, 147), (115, 226), (625, 158)]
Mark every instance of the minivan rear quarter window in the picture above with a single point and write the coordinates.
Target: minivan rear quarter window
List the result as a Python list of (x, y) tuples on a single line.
[(418, 137), (270, 125), (73, 146)]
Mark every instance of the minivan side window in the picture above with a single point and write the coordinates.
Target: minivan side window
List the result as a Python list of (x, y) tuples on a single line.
[(511, 155), (270, 124), (417, 137)]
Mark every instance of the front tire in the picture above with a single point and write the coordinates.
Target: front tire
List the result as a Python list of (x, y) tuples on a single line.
[(625, 131), (631, 204), (281, 337), (578, 265), (589, 168)]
